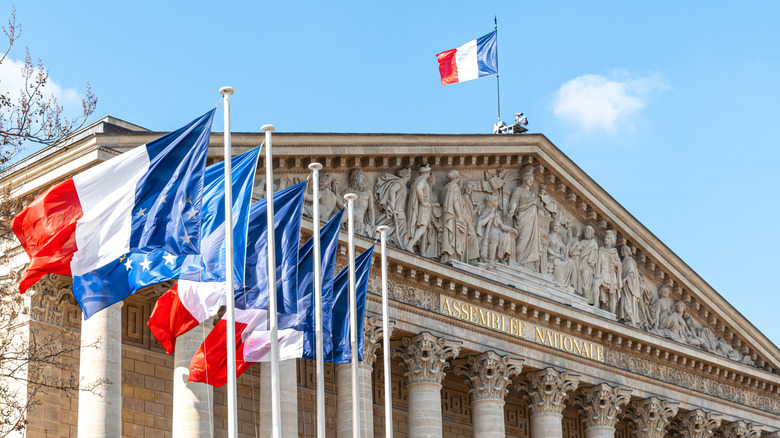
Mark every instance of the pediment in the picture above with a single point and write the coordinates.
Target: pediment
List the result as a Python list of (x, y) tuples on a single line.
[(485, 223)]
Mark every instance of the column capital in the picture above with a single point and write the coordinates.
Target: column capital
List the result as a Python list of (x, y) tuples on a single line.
[(651, 416), (372, 338), (425, 357), (547, 389), (488, 374), (600, 404), (741, 429), (697, 424)]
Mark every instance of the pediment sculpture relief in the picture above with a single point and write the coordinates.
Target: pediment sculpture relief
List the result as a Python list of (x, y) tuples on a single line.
[(504, 223)]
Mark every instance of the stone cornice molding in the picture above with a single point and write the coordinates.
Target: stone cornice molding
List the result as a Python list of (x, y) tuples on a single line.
[(600, 404), (547, 389), (488, 374), (425, 357)]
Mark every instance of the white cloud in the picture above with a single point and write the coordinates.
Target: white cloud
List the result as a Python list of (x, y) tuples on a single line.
[(11, 82), (595, 103)]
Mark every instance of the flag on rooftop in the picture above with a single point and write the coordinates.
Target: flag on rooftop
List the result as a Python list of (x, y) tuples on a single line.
[(146, 199), (472, 60)]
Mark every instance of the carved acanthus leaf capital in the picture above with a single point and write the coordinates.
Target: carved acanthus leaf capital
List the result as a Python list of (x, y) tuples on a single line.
[(48, 298), (547, 389), (741, 429), (651, 416), (697, 424), (601, 404), (425, 356), (488, 374), (373, 334)]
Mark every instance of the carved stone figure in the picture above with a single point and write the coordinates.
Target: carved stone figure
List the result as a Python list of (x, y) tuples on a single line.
[(471, 248), (420, 210), (563, 268), (330, 202), (363, 207), (662, 306), (575, 253), (454, 231), (631, 308), (588, 257), (391, 196), (524, 207), (674, 326), (496, 238), (609, 275)]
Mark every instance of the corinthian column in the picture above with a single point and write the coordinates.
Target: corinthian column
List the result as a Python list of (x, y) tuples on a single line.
[(651, 416), (372, 340), (424, 359), (100, 413), (600, 405), (488, 376), (546, 391), (740, 429), (697, 424), (192, 401)]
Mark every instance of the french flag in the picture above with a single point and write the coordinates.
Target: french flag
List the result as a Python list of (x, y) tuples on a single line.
[(146, 199), (472, 60)]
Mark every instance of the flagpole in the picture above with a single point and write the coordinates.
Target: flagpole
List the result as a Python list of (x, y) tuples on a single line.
[(319, 359), (498, 93), (386, 336), (350, 198), (276, 414), (230, 313)]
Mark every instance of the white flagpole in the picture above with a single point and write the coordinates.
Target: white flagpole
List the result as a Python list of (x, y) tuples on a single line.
[(350, 198), (273, 322), (386, 336), (230, 313), (319, 359)]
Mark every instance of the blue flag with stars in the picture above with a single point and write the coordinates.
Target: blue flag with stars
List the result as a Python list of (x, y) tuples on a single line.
[(112, 283)]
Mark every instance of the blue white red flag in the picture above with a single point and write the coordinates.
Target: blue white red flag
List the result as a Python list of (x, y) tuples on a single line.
[(109, 284), (146, 199), (472, 60)]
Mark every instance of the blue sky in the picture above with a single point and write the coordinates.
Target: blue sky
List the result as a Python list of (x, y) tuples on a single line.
[(670, 107)]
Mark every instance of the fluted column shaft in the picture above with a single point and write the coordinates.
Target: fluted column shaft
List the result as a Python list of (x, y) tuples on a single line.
[(288, 386), (344, 400), (600, 406), (488, 376), (192, 401), (100, 413), (424, 358), (546, 390)]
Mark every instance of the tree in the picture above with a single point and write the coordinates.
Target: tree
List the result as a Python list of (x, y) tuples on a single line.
[(35, 359)]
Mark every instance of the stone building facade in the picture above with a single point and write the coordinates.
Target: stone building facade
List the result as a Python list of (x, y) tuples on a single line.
[(525, 301)]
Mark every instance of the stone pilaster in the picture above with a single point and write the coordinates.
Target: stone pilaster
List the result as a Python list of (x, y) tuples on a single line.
[(741, 429), (100, 414), (600, 406), (372, 340), (651, 417), (424, 359), (697, 424), (488, 377), (546, 390), (192, 401)]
